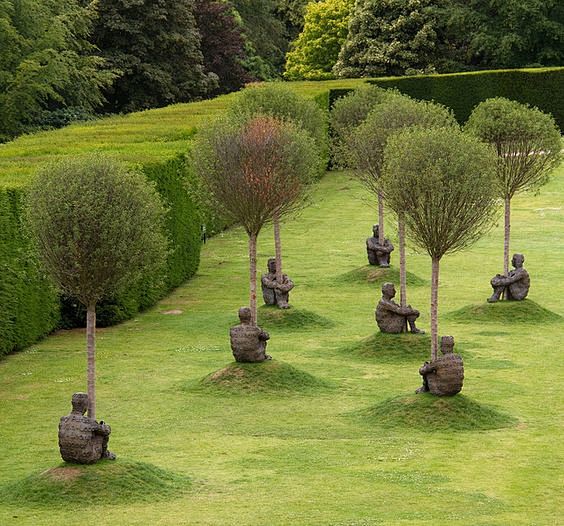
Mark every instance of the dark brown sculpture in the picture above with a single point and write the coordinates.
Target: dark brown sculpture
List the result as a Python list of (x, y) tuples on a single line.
[(514, 286), (394, 318), (275, 293), (248, 341), (378, 254), (445, 375), (82, 440)]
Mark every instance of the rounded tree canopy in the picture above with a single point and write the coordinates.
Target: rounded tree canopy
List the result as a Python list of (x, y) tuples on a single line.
[(365, 144), (443, 182), (527, 141), (255, 169), (97, 225)]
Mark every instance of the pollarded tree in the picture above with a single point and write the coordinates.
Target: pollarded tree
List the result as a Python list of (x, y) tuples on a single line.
[(366, 144), (97, 226), (314, 53), (278, 101), (528, 146), (444, 183), (350, 111), (254, 170)]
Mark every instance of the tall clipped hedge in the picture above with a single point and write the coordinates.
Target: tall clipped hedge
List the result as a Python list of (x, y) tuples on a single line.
[(543, 88), (183, 229), (29, 307)]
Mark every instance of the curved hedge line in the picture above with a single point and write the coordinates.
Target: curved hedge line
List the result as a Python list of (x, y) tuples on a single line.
[(543, 88)]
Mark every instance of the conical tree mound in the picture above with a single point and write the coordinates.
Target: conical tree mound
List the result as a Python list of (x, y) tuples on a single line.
[(264, 377), (506, 312), (429, 413), (107, 482), (392, 348), (271, 317), (371, 274)]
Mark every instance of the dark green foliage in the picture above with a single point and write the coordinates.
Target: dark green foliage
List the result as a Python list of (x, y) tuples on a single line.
[(272, 318), (155, 46), (369, 274), (391, 37), (505, 312), (28, 303), (106, 482), (391, 348), (182, 226), (46, 63), (429, 413), (262, 378), (542, 88)]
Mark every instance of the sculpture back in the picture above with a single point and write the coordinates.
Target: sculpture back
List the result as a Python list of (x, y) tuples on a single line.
[(449, 375), (77, 442)]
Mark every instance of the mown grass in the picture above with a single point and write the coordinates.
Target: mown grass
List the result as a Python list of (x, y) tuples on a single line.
[(506, 312), (350, 453)]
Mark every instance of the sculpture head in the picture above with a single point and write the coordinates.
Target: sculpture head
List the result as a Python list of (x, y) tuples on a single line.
[(376, 230), (272, 265), (518, 260), (79, 403), (245, 315), (388, 290), (447, 344)]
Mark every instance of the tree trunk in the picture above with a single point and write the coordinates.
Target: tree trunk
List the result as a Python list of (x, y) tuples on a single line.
[(434, 308), (506, 236), (253, 276), (278, 248), (380, 218), (403, 273), (91, 354)]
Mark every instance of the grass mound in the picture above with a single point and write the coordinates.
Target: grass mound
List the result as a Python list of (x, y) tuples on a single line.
[(427, 412), (507, 312), (107, 482), (393, 348), (270, 376), (371, 274), (271, 316)]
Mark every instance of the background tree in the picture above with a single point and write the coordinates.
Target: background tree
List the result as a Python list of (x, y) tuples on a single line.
[(222, 44), (292, 13), (47, 65), (156, 48), (98, 227), (390, 37), (443, 181), (366, 145), (316, 50), (278, 101), (528, 144), (253, 171)]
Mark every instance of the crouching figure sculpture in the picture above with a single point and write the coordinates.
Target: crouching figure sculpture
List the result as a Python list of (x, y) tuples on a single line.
[(82, 440), (392, 317), (445, 375), (248, 341), (514, 286), (378, 254), (273, 292)]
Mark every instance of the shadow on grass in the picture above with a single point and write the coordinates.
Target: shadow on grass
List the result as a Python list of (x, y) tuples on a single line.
[(427, 412), (270, 316), (107, 482), (506, 312), (270, 376), (372, 274), (392, 348)]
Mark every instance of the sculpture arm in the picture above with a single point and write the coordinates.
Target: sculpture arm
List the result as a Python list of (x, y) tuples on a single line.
[(102, 429), (387, 248), (392, 307), (515, 276), (427, 368), (263, 336), (267, 282), (286, 286)]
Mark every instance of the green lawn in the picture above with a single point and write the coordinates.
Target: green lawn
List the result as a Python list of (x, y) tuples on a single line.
[(330, 432)]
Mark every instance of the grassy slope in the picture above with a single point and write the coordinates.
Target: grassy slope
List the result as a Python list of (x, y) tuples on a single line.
[(152, 135), (316, 457)]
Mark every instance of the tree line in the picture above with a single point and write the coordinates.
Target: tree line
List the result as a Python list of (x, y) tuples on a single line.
[(68, 60)]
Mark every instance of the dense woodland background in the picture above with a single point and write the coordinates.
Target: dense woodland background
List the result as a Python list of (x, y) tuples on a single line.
[(68, 60)]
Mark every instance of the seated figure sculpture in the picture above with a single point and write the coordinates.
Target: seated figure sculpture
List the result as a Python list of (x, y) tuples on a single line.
[(275, 293), (394, 318), (514, 286), (248, 341), (82, 440), (445, 375), (378, 254)]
